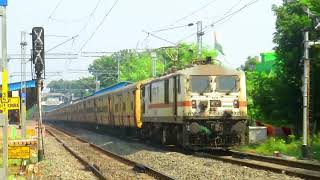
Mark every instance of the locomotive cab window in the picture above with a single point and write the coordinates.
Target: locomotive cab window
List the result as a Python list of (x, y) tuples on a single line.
[(200, 84), (227, 83)]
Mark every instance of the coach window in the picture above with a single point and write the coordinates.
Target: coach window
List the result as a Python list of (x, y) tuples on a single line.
[(150, 92), (166, 91)]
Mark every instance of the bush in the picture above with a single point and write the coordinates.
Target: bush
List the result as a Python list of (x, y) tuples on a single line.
[(289, 147)]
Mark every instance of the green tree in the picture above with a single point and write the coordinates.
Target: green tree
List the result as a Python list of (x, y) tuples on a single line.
[(291, 22), (250, 64), (79, 88), (135, 66), (278, 98)]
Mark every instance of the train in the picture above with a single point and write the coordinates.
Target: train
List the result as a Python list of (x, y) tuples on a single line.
[(200, 107)]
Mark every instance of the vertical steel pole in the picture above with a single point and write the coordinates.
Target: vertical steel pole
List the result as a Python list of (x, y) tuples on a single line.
[(199, 37), (23, 84), (40, 133), (118, 64), (97, 82), (306, 95), (4, 91), (154, 63)]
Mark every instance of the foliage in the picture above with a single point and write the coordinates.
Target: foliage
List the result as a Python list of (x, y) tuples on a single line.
[(277, 98), (78, 88), (250, 64), (135, 66), (289, 147)]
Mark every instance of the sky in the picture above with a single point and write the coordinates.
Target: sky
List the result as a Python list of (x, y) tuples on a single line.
[(247, 33)]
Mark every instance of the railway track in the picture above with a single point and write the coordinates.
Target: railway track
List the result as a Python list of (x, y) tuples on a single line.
[(297, 168), (301, 169), (72, 142)]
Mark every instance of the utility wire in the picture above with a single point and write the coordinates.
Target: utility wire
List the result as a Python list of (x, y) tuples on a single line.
[(100, 24)]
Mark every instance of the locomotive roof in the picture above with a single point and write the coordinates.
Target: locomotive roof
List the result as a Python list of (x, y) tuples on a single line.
[(204, 70), (208, 69)]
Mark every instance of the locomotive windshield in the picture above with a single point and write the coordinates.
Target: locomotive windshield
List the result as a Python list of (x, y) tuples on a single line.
[(200, 84), (226, 83)]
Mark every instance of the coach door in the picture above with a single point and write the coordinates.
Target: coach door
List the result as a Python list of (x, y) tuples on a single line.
[(111, 117), (175, 98)]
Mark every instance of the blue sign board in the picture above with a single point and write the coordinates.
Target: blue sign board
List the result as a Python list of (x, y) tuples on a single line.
[(3, 2)]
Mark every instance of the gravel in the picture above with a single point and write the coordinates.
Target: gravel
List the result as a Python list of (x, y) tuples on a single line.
[(60, 164), (111, 168), (177, 165)]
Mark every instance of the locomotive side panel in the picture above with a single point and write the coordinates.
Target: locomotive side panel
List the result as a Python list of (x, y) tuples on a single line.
[(165, 100)]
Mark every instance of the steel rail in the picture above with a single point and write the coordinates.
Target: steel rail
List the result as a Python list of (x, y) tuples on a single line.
[(94, 170), (265, 164), (277, 160), (136, 166)]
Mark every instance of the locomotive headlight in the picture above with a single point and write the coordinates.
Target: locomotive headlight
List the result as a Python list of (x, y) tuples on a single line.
[(236, 104), (194, 104), (215, 103)]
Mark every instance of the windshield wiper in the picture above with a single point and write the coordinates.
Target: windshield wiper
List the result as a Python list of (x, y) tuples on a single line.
[(234, 86)]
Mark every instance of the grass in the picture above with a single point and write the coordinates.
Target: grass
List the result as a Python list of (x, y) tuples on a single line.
[(289, 147)]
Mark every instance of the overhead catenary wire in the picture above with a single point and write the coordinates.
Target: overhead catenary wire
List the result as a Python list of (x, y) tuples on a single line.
[(69, 21), (234, 5), (171, 28), (196, 11), (53, 11), (99, 25), (158, 37), (221, 19), (192, 13), (90, 16), (60, 44)]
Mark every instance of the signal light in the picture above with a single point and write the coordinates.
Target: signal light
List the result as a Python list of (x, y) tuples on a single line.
[(194, 103), (236, 104)]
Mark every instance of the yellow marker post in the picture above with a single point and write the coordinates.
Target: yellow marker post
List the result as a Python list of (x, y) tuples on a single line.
[(4, 102)]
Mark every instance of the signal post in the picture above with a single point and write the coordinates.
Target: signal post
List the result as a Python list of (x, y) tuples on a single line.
[(39, 66)]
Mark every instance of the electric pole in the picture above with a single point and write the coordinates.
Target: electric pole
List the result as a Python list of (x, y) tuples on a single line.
[(200, 33), (306, 86), (4, 99), (97, 82), (306, 93), (23, 92), (154, 63), (118, 68)]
